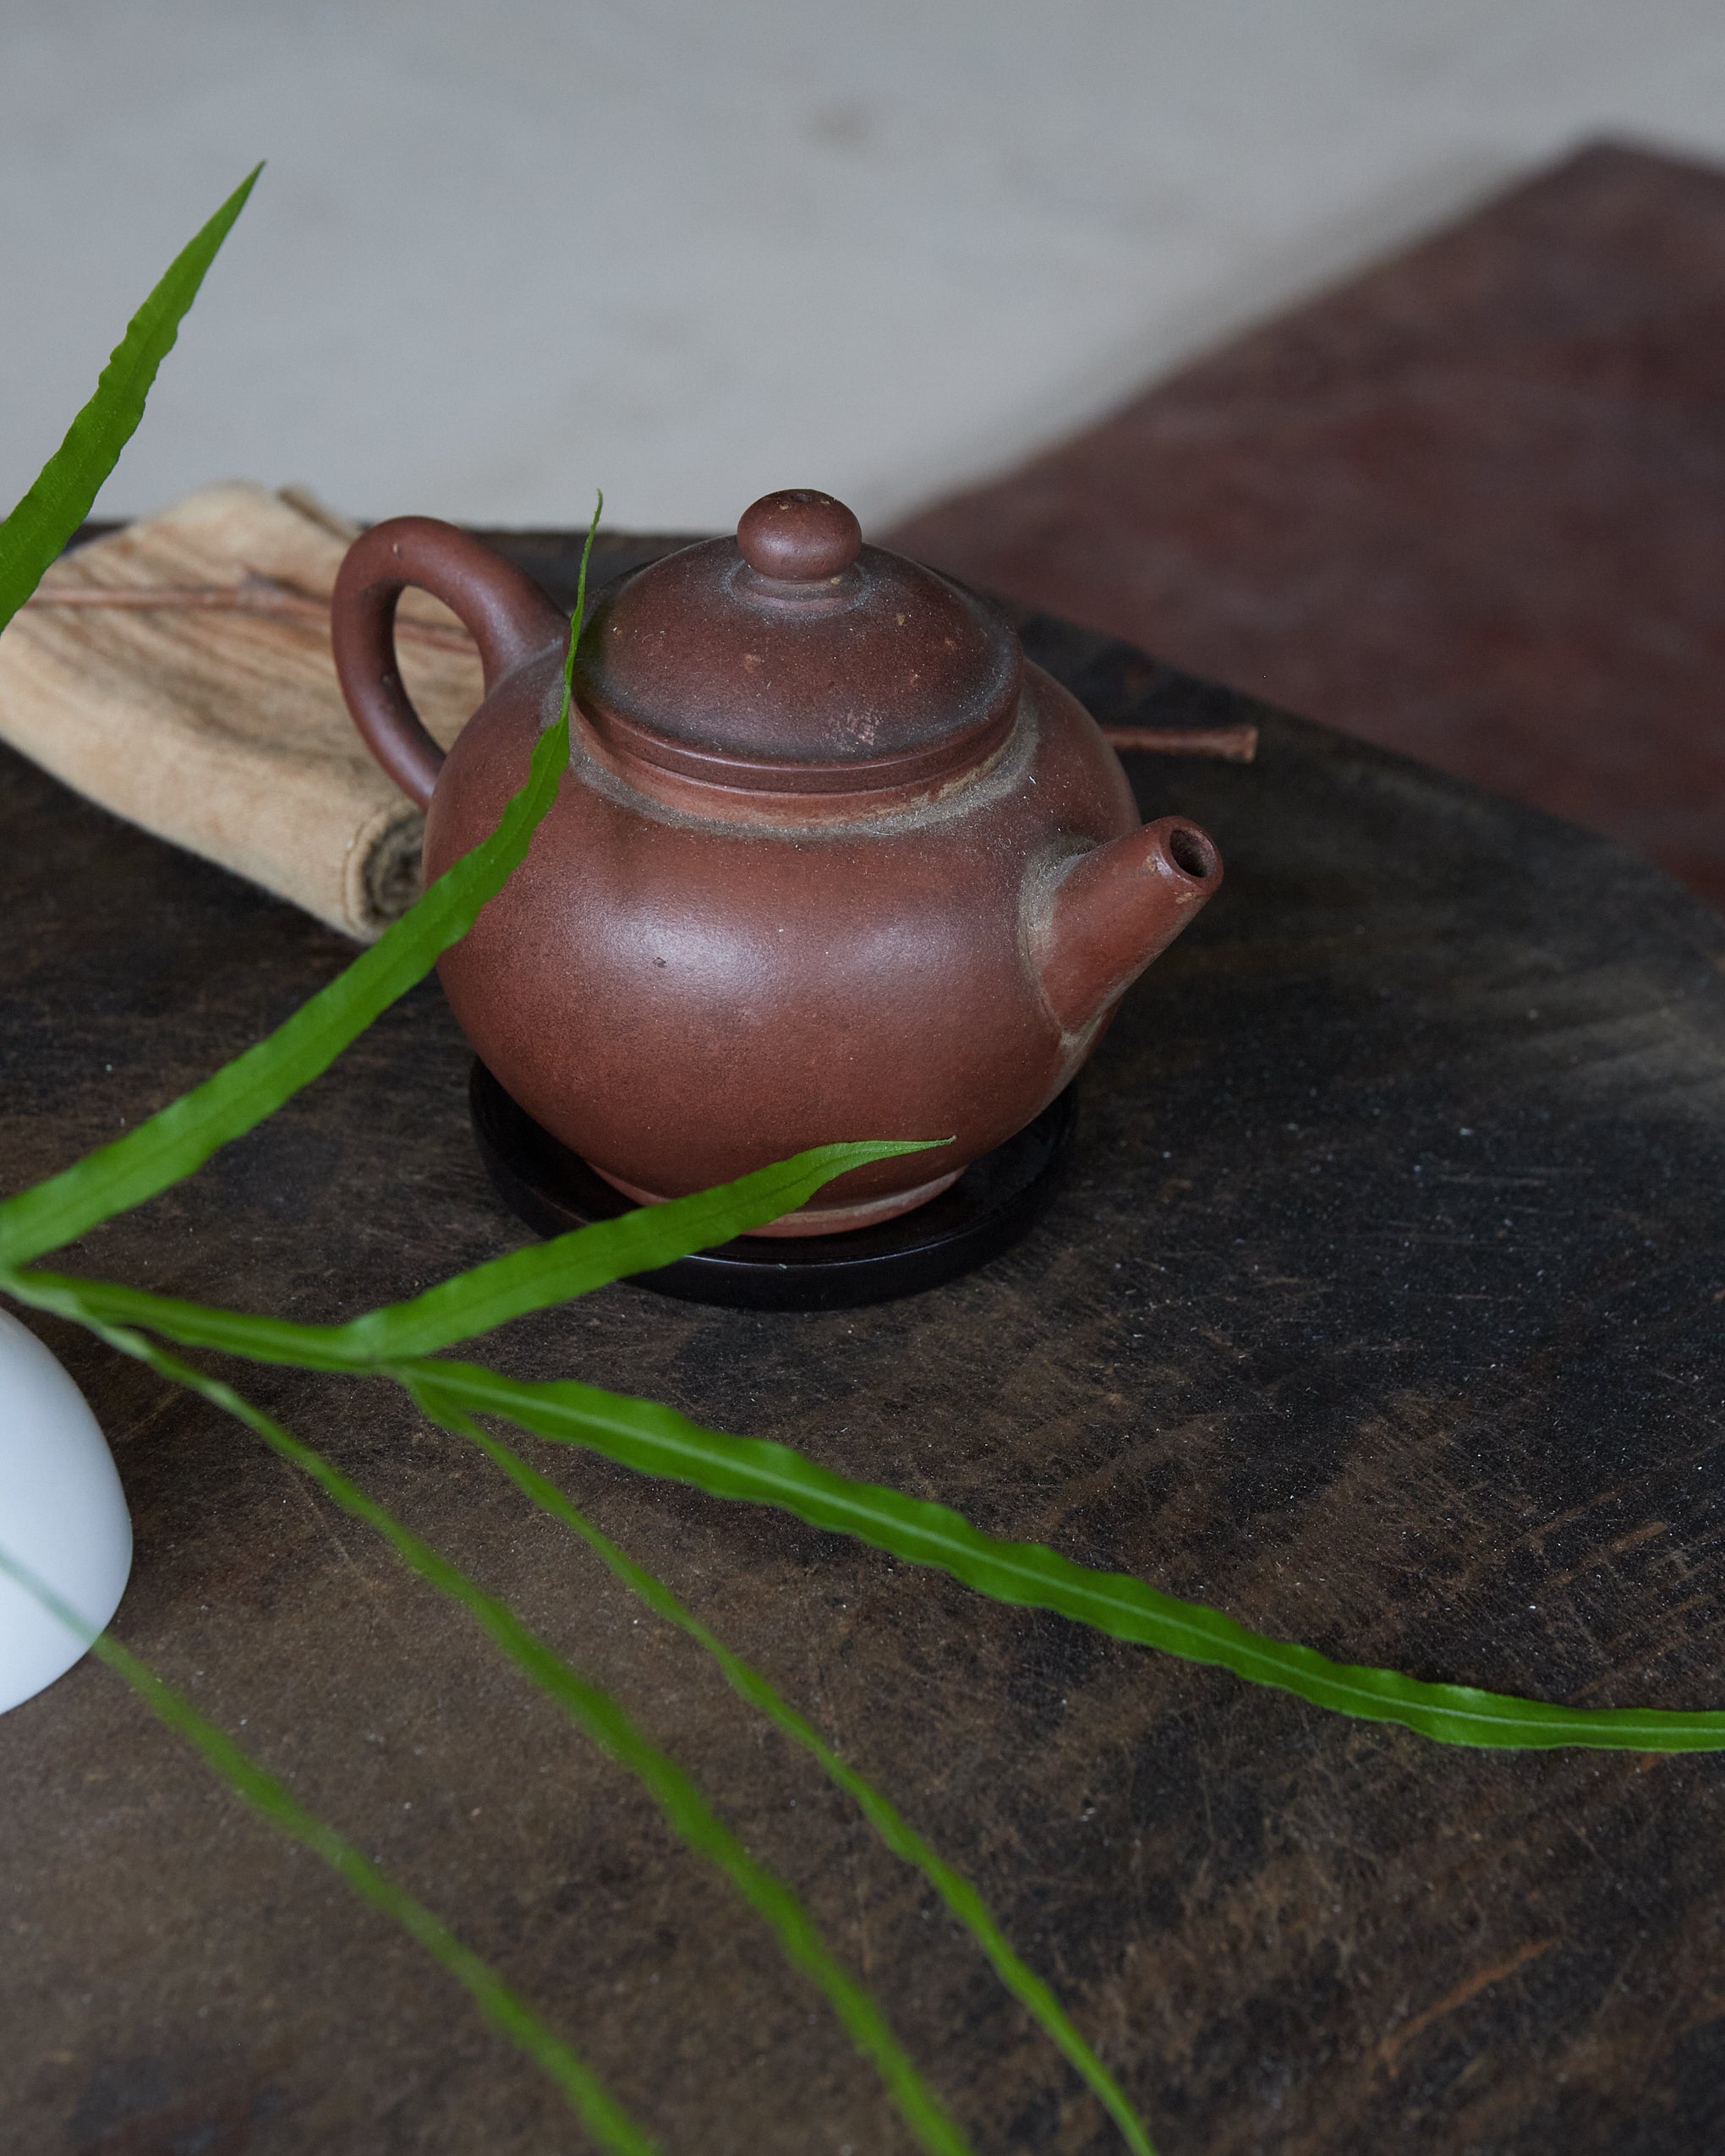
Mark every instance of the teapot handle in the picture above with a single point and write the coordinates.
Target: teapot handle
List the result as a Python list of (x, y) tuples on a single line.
[(506, 613)]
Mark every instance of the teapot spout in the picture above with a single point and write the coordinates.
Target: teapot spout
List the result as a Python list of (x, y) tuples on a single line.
[(1116, 908)]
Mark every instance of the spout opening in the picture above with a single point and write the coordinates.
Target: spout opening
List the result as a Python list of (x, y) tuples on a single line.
[(1193, 853)]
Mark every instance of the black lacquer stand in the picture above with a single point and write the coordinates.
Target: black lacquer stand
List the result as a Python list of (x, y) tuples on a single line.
[(996, 1200)]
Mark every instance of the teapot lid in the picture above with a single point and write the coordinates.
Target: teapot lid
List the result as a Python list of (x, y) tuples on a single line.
[(795, 659)]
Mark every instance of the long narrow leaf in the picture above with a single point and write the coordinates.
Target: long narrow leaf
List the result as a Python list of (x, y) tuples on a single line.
[(600, 1717), (546, 1273), (605, 2118), (182, 1136), (60, 499), (531, 1278), (658, 1441), (964, 1901)]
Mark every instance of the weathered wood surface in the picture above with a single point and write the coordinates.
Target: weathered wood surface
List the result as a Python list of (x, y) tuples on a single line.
[(1384, 1311)]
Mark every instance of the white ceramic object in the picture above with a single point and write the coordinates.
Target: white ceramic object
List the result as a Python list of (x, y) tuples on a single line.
[(61, 1514)]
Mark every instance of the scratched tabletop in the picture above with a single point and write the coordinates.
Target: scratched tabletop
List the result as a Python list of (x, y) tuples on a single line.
[(1382, 1309)]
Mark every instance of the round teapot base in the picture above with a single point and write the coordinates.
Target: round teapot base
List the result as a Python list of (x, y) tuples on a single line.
[(813, 1219), (996, 1200)]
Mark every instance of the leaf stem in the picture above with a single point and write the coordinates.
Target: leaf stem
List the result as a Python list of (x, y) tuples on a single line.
[(605, 1723), (960, 1895), (605, 2118)]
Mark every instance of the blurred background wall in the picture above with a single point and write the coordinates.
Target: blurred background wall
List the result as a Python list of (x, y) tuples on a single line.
[(507, 250)]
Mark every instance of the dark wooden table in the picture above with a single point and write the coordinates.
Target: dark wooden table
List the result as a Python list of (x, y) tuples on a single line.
[(1383, 1310)]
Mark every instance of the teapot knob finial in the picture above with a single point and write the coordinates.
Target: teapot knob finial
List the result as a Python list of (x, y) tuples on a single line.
[(798, 536)]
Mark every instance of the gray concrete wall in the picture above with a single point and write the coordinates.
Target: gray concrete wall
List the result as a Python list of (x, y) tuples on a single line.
[(505, 252)]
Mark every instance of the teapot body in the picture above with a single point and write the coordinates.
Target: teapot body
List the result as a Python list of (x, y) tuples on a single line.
[(829, 860), (682, 995)]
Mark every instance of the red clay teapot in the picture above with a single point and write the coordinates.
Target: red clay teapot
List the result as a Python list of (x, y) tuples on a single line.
[(831, 860)]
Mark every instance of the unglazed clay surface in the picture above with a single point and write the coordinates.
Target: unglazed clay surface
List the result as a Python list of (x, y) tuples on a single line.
[(830, 861)]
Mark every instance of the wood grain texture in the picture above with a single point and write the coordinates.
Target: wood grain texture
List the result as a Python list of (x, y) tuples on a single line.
[(1383, 1310), (1470, 507)]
